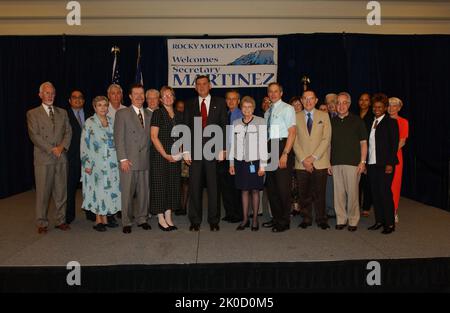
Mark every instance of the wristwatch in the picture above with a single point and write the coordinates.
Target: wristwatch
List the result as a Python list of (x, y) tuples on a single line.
[(363, 162)]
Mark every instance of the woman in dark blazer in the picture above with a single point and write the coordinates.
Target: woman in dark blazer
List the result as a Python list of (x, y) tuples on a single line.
[(382, 158)]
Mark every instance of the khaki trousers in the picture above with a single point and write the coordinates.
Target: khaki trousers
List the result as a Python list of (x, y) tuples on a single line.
[(346, 194)]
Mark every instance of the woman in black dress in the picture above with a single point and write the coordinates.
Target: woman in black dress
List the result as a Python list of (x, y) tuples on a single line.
[(164, 169)]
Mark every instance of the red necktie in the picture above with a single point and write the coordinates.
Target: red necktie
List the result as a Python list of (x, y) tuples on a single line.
[(204, 113)]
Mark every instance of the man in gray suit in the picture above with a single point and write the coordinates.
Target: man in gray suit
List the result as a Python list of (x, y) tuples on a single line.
[(132, 138), (49, 130)]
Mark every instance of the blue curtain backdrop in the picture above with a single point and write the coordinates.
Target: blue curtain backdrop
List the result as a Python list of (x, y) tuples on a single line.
[(411, 67)]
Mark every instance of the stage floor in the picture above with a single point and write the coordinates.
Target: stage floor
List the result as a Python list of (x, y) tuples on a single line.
[(423, 232)]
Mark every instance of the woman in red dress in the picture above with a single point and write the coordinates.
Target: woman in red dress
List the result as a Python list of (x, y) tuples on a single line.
[(395, 105)]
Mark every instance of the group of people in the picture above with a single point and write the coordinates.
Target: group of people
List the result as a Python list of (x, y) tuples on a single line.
[(128, 167)]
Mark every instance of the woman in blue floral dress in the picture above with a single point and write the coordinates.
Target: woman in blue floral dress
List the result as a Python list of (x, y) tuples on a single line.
[(100, 173)]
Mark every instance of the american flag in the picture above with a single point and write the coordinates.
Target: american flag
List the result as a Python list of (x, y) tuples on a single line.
[(115, 78)]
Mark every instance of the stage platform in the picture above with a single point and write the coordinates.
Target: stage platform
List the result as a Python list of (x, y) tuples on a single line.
[(415, 257)]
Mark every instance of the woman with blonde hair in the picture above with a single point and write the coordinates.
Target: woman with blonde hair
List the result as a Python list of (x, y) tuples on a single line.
[(395, 105)]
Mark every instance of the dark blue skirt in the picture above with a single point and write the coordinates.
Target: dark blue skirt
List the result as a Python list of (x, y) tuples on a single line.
[(244, 180)]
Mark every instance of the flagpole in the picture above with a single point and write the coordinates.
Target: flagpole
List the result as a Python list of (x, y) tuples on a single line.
[(116, 51)]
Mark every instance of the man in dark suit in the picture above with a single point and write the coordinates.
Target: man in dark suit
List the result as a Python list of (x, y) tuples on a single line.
[(383, 145), (209, 111), (77, 116), (132, 139)]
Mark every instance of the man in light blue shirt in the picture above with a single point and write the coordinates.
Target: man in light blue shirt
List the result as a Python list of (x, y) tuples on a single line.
[(231, 197), (281, 123)]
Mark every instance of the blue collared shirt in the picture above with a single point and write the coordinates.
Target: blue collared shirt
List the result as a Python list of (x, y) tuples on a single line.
[(282, 118), (312, 115), (235, 114), (81, 115)]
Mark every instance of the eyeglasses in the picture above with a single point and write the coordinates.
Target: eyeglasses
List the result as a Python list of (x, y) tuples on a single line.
[(309, 99)]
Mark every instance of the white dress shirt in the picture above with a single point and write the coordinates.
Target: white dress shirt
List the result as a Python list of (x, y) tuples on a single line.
[(47, 110), (207, 102), (137, 110), (372, 142), (112, 112)]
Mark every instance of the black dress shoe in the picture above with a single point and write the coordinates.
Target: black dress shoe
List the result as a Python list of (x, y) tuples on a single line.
[(268, 224), (304, 225), (99, 227), (126, 229), (324, 225), (214, 227), (145, 226), (279, 228), (194, 227), (340, 226), (173, 227), (234, 220), (164, 228), (375, 226), (352, 228), (255, 228), (388, 229)]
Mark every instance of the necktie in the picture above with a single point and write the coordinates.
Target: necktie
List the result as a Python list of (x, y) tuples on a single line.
[(269, 120), (51, 114), (204, 113), (375, 124), (309, 123), (79, 118), (229, 117), (141, 119)]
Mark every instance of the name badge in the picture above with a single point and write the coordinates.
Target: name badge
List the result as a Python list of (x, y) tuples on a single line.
[(252, 168)]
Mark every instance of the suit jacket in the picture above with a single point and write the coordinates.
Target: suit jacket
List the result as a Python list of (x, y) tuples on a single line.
[(386, 142), (45, 137), (317, 144), (74, 152), (217, 116), (131, 140)]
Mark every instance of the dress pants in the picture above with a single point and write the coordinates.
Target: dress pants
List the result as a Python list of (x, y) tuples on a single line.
[(73, 178), (312, 189), (383, 202), (346, 204), (199, 169), (51, 180), (131, 183), (231, 197), (278, 184), (365, 194)]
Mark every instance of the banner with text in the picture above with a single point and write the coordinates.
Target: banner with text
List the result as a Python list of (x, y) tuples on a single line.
[(237, 63)]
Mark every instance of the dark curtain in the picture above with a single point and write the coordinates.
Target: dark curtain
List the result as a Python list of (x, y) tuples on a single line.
[(411, 67)]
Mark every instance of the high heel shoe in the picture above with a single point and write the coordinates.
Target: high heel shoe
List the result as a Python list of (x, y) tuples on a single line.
[(172, 227), (255, 228), (164, 228), (243, 226)]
